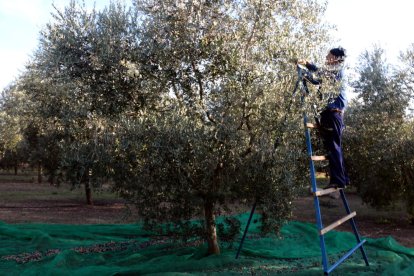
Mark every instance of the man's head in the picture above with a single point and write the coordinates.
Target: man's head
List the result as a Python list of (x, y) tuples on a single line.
[(335, 56)]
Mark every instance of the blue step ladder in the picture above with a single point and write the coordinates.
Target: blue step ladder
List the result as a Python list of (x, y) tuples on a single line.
[(327, 268)]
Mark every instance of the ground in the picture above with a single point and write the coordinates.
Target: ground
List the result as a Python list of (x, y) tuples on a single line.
[(41, 203), (371, 223)]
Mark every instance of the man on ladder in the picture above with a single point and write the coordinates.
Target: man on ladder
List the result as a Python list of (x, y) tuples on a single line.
[(332, 116), (331, 127)]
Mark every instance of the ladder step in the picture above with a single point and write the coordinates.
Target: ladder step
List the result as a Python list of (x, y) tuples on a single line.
[(326, 191), (310, 125), (319, 158), (336, 223)]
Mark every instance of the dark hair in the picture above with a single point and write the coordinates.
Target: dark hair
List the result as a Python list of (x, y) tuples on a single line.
[(338, 52)]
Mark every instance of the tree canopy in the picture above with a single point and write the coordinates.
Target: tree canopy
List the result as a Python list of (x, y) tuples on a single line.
[(179, 104), (380, 135)]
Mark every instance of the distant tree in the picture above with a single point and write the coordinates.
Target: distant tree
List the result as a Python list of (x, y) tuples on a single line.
[(80, 79), (377, 132), (13, 146), (406, 74), (43, 150)]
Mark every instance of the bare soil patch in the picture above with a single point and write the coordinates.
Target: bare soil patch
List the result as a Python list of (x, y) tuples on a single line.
[(371, 223), (41, 203)]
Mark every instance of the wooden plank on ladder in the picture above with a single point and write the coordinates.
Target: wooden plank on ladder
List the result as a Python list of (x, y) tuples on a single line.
[(336, 223), (326, 191), (319, 158)]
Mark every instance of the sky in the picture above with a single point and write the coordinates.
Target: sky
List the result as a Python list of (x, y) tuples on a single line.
[(20, 24), (360, 25), (364, 23)]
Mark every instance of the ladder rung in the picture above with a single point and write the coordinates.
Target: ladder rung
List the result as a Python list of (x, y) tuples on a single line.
[(336, 223), (310, 125), (319, 158), (326, 191)]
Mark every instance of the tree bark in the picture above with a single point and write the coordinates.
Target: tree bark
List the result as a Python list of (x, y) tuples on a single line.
[(213, 247), (88, 189), (408, 174), (39, 172), (88, 193)]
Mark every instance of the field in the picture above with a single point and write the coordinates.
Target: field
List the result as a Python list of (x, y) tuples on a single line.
[(23, 201)]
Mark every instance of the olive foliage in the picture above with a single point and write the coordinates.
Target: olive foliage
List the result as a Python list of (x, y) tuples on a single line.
[(224, 72), (179, 104), (379, 136)]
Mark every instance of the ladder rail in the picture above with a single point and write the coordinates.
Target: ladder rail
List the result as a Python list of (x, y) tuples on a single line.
[(315, 198), (246, 229), (344, 257), (354, 227), (322, 231)]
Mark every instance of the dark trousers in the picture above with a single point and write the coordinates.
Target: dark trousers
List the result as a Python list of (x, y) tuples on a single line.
[(332, 122)]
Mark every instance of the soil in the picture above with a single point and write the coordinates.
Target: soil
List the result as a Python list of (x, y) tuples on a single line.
[(41, 203), (370, 222)]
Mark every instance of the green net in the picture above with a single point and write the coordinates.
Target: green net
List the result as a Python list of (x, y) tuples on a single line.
[(51, 249)]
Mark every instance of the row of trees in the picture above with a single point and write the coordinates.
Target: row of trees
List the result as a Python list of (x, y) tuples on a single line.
[(178, 103)]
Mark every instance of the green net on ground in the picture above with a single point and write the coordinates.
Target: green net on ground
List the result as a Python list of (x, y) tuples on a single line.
[(51, 249)]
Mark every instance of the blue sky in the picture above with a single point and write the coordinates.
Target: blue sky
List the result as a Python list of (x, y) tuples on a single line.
[(20, 24), (360, 24)]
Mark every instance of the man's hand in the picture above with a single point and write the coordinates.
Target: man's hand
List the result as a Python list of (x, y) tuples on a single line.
[(301, 62)]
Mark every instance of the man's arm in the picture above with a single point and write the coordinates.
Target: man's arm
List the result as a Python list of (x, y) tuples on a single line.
[(312, 75)]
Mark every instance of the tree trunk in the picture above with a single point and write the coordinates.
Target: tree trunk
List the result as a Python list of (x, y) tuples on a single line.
[(39, 172), (88, 192), (15, 169), (88, 189), (409, 174), (213, 247), (408, 179)]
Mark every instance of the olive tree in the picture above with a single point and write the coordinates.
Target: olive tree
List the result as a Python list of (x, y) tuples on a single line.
[(13, 120), (80, 80), (378, 134), (180, 103), (406, 74), (224, 74)]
